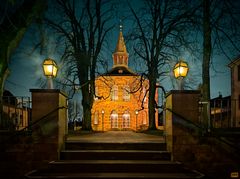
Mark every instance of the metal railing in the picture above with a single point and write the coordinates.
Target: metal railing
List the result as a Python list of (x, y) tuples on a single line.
[(196, 128), (223, 113)]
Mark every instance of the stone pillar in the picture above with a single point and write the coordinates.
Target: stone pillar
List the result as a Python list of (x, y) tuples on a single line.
[(180, 104), (49, 118)]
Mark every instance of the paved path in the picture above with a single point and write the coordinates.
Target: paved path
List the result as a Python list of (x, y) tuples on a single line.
[(117, 137)]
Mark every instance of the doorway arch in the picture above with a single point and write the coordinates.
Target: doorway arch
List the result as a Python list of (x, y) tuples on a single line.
[(114, 119), (126, 120)]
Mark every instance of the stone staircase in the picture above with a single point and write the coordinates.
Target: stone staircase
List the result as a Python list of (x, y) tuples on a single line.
[(114, 159)]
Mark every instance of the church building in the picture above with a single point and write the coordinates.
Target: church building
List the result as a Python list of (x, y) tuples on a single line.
[(121, 98)]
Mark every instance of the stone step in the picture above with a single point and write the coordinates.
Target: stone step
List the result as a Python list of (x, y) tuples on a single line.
[(104, 166), (114, 169), (117, 175), (78, 145), (114, 155)]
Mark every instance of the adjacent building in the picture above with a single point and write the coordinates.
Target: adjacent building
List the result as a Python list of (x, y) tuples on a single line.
[(235, 92), (221, 112), (16, 112)]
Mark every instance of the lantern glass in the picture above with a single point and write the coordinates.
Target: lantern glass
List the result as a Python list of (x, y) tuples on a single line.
[(50, 68), (180, 69)]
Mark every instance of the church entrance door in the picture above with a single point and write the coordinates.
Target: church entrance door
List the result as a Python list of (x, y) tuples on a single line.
[(114, 120), (126, 120)]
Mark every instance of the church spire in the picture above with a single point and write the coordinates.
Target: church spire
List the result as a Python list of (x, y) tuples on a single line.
[(120, 55)]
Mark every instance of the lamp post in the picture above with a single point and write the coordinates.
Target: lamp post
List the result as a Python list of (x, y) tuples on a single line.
[(102, 120), (50, 70), (180, 71), (136, 112)]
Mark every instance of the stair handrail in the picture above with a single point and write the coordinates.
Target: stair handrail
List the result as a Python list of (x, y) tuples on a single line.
[(201, 130), (193, 125)]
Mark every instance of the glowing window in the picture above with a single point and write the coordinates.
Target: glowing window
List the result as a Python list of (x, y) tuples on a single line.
[(126, 119), (95, 121), (144, 91), (114, 119), (96, 93), (144, 119), (126, 93), (114, 93)]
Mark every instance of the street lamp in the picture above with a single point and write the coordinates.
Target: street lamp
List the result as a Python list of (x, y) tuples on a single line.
[(136, 112), (180, 71), (50, 71), (102, 120)]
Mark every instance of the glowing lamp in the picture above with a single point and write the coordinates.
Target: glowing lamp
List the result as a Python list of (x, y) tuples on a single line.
[(180, 69), (50, 68)]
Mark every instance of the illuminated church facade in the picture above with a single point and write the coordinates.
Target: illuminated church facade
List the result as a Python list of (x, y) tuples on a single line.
[(121, 101)]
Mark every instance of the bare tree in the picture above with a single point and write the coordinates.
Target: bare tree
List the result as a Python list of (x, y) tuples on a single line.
[(159, 34), (83, 26), (14, 22), (220, 26)]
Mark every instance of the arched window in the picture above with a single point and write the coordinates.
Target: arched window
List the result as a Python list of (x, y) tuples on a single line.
[(114, 119), (126, 119), (114, 93), (126, 93), (144, 91), (95, 121), (121, 60), (144, 118), (96, 93)]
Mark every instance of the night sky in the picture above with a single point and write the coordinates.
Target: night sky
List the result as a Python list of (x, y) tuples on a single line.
[(26, 70)]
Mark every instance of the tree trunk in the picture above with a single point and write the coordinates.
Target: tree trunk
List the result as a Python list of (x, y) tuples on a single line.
[(87, 97), (86, 125), (206, 60), (151, 104)]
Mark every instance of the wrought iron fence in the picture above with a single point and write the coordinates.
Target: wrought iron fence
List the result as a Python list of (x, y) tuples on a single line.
[(15, 113)]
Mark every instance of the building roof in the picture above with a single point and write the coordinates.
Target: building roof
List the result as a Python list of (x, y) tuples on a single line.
[(221, 101), (120, 71)]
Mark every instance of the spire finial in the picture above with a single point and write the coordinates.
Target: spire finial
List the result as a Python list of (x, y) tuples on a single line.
[(120, 25)]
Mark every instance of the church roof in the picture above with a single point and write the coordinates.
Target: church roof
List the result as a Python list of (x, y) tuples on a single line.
[(120, 71)]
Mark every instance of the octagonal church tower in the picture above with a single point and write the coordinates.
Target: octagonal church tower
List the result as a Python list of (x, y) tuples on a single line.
[(121, 98)]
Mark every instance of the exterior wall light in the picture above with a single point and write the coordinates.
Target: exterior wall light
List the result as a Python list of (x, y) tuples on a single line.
[(103, 120), (136, 112), (50, 70)]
